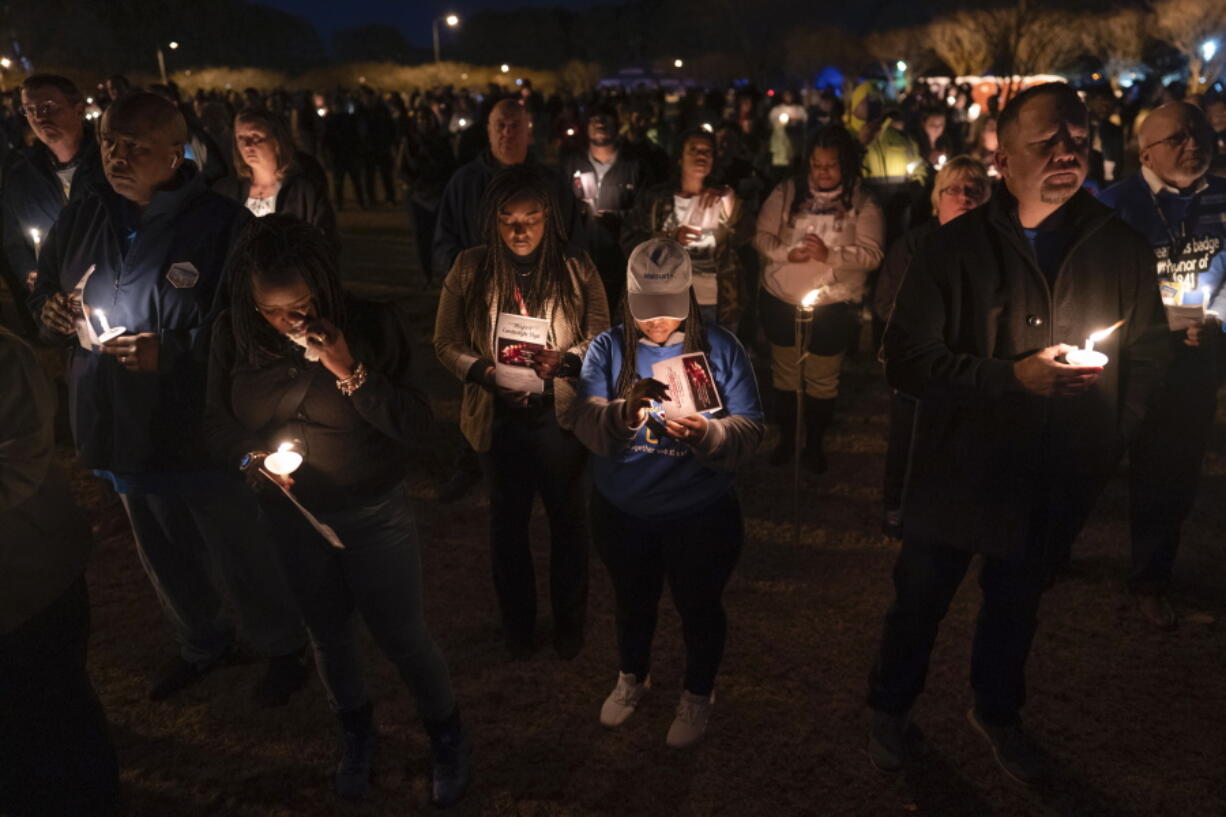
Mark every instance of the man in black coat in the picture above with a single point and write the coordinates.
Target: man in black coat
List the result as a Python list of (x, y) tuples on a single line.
[(1011, 443), (61, 166)]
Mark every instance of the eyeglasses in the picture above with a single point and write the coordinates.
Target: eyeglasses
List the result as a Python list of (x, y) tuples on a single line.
[(971, 191), (252, 141), (42, 110), (1175, 140)]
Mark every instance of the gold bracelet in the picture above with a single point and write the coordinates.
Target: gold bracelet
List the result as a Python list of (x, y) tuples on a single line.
[(354, 381)]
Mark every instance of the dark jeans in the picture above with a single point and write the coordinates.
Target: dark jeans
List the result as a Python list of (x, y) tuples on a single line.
[(377, 575), (185, 541), (56, 757), (1165, 462), (423, 235), (696, 554), (926, 576), (532, 454)]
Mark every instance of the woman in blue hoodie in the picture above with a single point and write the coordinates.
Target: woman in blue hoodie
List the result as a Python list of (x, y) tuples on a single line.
[(663, 504)]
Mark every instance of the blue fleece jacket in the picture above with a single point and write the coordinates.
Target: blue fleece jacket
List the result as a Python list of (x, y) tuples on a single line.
[(656, 476), (1197, 222)]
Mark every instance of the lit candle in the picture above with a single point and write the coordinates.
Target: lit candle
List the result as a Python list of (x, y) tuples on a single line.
[(783, 118), (1088, 356), (37, 237), (108, 332), (941, 160), (284, 461), (810, 299)]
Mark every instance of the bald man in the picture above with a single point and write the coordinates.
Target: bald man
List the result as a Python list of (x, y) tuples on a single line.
[(145, 257), (509, 129), (1181, 210)]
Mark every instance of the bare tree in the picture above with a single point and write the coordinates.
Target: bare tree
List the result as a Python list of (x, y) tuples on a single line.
[(1117, 38), (958, 40), (911, 44), (1188, 25)]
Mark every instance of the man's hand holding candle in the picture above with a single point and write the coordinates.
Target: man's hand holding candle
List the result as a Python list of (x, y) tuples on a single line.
[(1042, 374), (58, 314), (136, 353)]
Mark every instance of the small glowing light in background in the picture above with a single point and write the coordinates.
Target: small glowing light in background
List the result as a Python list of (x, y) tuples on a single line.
[(453, 20), (1209, 49), (902, 66), (505, 68), (677, 63)]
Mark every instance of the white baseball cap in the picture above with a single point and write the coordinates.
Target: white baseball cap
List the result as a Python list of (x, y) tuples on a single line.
[(658, 277)]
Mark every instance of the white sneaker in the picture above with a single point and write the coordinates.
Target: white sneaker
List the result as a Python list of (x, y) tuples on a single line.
[(690, 724), (623, 700)]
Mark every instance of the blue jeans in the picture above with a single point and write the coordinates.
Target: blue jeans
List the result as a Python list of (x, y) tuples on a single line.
[(377, 575), (184, 540)]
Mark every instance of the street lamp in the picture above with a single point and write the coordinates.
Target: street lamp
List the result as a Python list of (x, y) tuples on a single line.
[(505, 68), (6, 63), (172, 45), (452, 21)]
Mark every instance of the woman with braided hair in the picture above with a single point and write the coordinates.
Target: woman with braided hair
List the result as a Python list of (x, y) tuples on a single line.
[(522, 436), (295, 360), (821, 230)]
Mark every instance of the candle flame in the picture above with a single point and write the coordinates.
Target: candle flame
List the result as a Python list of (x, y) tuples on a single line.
[(283, 447), (36, 235), (810, 298), (1103, 334), (783, 118)]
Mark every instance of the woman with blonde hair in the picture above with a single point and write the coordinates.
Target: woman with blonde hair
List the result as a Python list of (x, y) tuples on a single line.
[(272, 176)]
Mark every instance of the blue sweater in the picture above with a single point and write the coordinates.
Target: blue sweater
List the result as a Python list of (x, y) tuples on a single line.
[(1202, 262), (656, 476)]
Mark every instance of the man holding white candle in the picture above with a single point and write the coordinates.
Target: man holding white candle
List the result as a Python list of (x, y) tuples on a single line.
[(59, 167), (147, 253), (1010, 444), (1181, 209)]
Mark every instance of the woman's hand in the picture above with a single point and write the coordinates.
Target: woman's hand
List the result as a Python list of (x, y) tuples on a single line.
[(323, 336), (687, 235), (687, 429), (640, 398), (817, 249), (798, 255), (58, 315), (546, 363)]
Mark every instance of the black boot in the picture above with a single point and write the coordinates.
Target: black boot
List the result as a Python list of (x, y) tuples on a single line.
[(818, 414), (358, 746), (452, 752), (785, 414)]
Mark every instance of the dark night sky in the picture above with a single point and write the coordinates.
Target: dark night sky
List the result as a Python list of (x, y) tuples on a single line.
[(413, 17)]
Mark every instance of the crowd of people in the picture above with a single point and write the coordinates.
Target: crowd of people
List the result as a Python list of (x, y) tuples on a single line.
[(610, 270)]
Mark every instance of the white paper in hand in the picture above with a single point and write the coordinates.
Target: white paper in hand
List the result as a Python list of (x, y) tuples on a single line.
[(516, 342), (691, 385), (85, 330)]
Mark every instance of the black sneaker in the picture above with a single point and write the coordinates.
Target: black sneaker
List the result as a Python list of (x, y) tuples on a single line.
[(1017, 754), (177, 675), (890, 740), (452, 766), (285, 675)]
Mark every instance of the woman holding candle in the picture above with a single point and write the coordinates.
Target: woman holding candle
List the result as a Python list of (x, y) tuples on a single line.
[(821, 230), (702, 218), (274, 177), (663, 503), (296, 361), (524, 440)]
